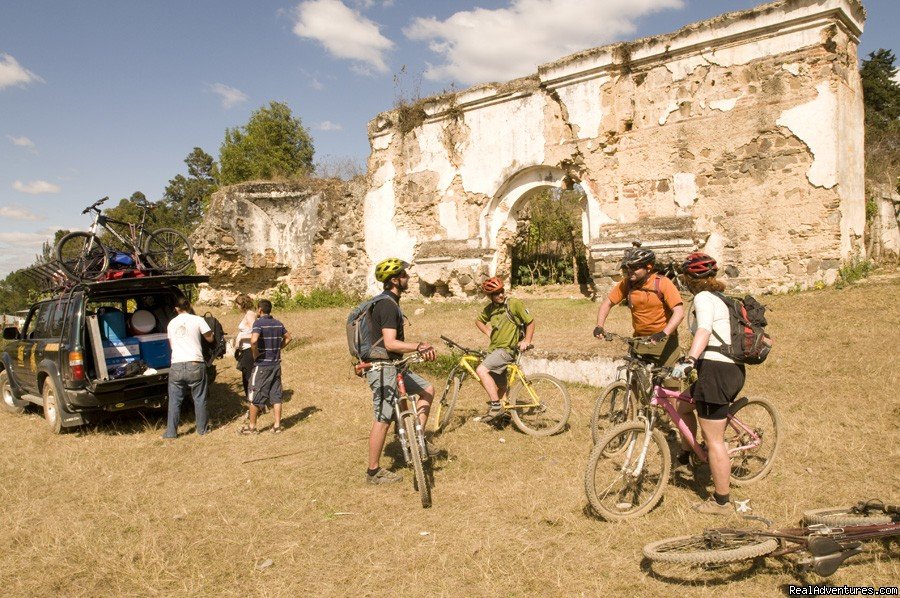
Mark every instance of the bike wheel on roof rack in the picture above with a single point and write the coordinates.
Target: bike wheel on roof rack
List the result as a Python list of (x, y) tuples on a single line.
[(168, 251), (82, 256)]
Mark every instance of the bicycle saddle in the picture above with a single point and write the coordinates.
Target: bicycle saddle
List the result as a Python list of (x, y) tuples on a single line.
[(828, 555)]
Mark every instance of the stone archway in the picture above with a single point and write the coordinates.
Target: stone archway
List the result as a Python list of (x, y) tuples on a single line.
[(497, 222)]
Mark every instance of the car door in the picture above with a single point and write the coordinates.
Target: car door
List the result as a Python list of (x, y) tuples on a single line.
[(34, 334)]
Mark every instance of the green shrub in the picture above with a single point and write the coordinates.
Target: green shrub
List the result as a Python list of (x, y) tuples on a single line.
[(317, 298), (281, 297), (854, 270), (440, 367)]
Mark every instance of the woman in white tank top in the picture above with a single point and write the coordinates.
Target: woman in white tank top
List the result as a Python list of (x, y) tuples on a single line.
[(719, 379), (242, 339)]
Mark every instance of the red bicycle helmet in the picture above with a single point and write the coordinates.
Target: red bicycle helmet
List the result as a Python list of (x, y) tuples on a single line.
[(492, 285), (699, 265)]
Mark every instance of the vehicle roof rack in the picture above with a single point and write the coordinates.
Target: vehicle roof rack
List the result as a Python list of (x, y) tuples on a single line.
[(49, 276)]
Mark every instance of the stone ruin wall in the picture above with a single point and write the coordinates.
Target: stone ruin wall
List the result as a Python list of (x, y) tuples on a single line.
[(258, 235), (741, 136)]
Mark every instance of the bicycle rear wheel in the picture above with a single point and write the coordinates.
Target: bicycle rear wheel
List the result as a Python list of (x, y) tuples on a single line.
[(752, 464), (168, 250), (448, 400), (612, 488), (720, 547), (614, 406), (82, 256), (841, 516), (420, 480), (547, 401)]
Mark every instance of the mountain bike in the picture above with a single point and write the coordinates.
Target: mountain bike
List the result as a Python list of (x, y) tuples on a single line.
[(827, 539), (618, 402), (409, 429), (84, 257), (628, 470), (538, 403)]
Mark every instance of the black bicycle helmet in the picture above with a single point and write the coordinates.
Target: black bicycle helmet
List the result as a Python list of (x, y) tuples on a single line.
[(638, 257)]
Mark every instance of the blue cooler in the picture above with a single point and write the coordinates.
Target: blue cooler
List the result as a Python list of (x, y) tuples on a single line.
[(112, 324), (155, 350), (116, 352)]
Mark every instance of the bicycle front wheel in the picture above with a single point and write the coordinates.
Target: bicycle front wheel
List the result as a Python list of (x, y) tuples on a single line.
[(545, 405), (755, 461), (614, 406), (448, 400), (420, 480), (82, 256), (841, 516), (627, 471), (168, 250), (720, 547)]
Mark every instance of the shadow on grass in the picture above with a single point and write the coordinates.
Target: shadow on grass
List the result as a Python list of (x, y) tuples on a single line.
[(702, 575)]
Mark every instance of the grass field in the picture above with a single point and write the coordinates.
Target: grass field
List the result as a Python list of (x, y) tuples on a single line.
[(114, 510)]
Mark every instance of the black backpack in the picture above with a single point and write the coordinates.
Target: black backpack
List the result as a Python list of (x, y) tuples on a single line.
[(214, 349), (361, 336), (749, 342)]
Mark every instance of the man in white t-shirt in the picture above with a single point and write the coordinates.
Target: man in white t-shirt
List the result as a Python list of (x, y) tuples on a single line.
[(188, 370)]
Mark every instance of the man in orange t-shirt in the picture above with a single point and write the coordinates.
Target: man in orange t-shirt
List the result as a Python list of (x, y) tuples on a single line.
[(656, 307)]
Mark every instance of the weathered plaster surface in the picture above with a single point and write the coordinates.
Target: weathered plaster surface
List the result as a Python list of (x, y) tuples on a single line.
[(815, 123), (740, 135)]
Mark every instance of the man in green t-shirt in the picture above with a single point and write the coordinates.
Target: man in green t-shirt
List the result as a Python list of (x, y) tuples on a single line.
[(503, 320)]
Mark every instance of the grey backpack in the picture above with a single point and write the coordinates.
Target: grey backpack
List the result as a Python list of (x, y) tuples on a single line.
[(361, 337)]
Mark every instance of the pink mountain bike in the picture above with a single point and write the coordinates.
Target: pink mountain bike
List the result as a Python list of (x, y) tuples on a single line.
[(628, 470)]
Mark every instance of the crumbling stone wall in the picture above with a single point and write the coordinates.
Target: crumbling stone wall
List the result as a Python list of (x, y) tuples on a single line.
[(258, 235), (741, 135)]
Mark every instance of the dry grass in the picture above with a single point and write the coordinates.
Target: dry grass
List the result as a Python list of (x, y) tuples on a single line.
[(115, 510)]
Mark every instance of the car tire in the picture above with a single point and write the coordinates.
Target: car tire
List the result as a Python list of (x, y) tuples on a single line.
[(52, 409), (11, 402)]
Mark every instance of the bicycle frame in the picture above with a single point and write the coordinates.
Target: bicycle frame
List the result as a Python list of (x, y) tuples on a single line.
[(136, 232), (513, 373)]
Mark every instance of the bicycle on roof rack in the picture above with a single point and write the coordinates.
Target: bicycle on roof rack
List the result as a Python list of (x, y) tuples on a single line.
[(83, 256)]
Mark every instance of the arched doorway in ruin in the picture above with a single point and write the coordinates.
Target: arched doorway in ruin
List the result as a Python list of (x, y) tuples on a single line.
[(499, 221)]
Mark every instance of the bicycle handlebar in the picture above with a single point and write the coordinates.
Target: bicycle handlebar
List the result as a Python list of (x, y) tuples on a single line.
[(629, 340), (455, 345), (94, 205)]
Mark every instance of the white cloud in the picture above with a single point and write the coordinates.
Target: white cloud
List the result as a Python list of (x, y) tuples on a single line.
[(22, 142), (36, 187), (18, 213), (483, 45), (13, 73), (19, 249), (26, 240), (344, 32), (327, 125), (230, 96)]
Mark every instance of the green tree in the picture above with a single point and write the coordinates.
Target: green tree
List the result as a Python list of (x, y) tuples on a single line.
[(881, 93), (187, 197), (272, 144), (881, 96)]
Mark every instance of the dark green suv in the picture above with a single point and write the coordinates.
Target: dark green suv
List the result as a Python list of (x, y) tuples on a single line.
[(51, 361)]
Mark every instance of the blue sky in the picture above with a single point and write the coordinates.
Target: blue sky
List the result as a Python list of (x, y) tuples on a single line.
[(107, 97)]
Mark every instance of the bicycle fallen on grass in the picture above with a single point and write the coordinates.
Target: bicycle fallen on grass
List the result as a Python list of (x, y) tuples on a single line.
[(827, 538), (538, 403)]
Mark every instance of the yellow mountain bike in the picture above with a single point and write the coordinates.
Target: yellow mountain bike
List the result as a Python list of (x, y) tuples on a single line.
[(538, 404)]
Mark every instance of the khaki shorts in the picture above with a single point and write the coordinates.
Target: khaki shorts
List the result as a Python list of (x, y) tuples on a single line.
[(383, 382), (667, 354)]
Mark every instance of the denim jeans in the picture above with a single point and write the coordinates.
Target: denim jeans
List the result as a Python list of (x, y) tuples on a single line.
[(182, 377)]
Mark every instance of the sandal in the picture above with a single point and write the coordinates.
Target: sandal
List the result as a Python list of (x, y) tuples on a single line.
[(276, 429), (246, 430)]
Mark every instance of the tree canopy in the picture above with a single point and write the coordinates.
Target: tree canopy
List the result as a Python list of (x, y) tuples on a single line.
[(881, 93), (272, 144)]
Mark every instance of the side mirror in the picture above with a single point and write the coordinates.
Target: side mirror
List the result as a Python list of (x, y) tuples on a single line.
[(10, 333)]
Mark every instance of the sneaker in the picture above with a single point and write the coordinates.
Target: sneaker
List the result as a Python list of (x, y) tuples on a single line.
[(383, 476), (493, 415), (431, 449), (711, 507)]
